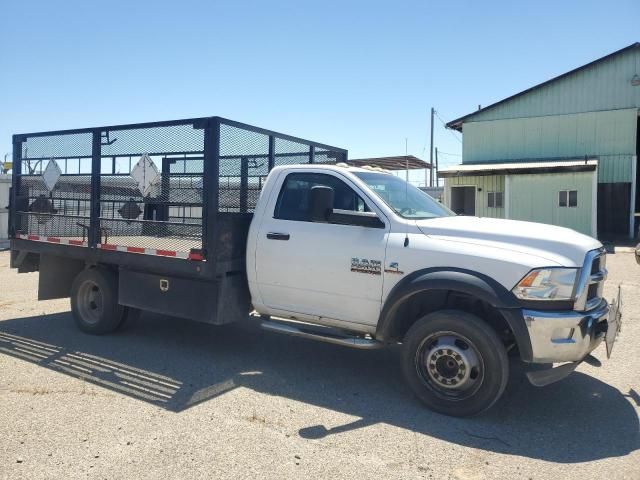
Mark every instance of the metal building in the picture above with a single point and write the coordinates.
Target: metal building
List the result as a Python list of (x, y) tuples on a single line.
[(588, 115)]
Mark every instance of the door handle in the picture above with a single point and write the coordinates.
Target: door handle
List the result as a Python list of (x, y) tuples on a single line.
[(278, 236)]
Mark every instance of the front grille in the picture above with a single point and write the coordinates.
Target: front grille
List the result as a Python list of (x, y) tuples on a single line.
[(591, 284)]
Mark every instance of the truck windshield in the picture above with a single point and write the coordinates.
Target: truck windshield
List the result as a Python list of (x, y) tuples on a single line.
[(405, 199)]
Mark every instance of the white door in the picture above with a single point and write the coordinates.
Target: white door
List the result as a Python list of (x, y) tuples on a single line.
[(321, 270)]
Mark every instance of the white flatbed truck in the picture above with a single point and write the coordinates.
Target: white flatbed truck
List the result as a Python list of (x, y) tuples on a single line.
[(239, 219)]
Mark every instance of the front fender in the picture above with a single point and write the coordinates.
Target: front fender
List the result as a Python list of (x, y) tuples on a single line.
[(459, 280)]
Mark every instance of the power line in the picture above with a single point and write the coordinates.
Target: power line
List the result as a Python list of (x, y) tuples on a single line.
[(447, 129)]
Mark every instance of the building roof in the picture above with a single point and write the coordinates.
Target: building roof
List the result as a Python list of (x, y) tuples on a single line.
[(521, 168), (402, 162), (457, 123)]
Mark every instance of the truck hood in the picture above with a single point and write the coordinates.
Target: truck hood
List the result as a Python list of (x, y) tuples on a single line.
[(559, 245)]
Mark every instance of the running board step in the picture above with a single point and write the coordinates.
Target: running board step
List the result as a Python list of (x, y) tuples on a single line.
[(322, 334)]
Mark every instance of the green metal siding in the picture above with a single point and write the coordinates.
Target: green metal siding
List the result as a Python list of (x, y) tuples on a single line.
[(493, 183), (615, 168), (609, 135), (603, 86), (534, 198)]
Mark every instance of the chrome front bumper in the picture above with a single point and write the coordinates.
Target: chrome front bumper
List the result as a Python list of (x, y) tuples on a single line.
[(566, 336)]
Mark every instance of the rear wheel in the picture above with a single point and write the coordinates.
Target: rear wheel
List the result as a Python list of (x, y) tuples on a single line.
[(94, 301), (455, 363)]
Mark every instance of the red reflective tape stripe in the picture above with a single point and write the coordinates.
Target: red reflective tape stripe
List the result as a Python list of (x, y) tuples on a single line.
[(166, 253), (135, 249), (53, 240), (33, 237), (75, 242), (108, 246)]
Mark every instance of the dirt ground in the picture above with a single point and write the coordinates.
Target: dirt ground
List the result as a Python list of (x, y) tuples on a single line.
[(166, 398)]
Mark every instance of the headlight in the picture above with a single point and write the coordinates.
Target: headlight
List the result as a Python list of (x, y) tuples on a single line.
[(547, 284)]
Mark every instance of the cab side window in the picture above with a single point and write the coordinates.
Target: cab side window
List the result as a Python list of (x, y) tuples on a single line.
[(294, 198)]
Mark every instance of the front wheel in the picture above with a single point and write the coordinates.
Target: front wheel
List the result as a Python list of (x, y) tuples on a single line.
[(455, 363)]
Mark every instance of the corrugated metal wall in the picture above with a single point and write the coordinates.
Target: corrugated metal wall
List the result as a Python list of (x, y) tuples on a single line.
[(604, 86), (494, 183), (610, 135), (535, 198)]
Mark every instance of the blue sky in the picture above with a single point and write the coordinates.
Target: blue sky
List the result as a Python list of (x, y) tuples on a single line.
[(356, 74)]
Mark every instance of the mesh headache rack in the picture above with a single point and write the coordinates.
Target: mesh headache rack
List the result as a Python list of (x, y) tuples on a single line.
[(171, 189)]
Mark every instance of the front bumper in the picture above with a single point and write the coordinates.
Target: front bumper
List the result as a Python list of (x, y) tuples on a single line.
[(566, 336)]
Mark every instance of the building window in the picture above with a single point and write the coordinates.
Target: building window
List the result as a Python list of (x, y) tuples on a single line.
[(495, 199), (568, 198)]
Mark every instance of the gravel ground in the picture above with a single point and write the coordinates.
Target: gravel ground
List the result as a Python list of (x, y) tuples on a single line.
[(165, 398)]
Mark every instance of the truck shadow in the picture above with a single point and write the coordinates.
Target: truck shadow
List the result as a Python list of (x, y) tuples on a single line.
[(176, 365)]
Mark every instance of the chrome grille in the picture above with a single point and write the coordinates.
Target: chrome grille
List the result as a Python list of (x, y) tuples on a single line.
[(591, 280)]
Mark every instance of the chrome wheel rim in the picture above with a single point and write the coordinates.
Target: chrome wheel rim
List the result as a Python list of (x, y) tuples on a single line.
[(450, 365), (90, 302)]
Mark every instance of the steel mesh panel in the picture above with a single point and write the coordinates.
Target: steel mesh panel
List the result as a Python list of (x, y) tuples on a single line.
[(63, 212), (57, 146), (291, 153), (244, 164), (137, 141), (257, 171), (186, 165), (51, 225), (149, 234), (61, 208), (165, 212), (324, 156), (68, 166)]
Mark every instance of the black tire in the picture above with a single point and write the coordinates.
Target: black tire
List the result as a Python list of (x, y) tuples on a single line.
[(455, 363), (94, 301)]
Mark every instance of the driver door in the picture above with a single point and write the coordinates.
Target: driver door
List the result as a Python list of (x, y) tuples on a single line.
[(320, 270)]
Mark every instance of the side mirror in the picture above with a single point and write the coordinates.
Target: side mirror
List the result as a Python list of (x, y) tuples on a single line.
[(321, 203)]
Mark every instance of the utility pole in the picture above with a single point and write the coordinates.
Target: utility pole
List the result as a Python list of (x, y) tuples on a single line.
[(437, 180), (431, 150), (406, 154)]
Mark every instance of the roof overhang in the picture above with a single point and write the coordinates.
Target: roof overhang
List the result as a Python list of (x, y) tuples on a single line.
[(519, 168), (403, 162)]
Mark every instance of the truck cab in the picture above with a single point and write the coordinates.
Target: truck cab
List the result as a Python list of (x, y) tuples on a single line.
[(361, 251)]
